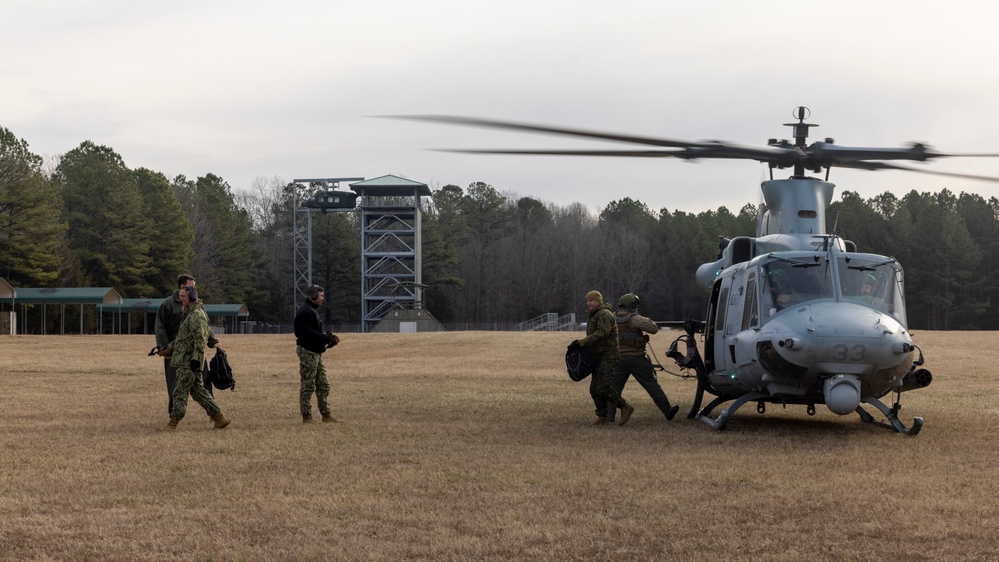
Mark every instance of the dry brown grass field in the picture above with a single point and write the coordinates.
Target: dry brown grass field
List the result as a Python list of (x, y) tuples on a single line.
[(475, 446)]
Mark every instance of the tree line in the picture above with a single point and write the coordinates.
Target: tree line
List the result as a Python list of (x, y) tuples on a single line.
[(490, 258)]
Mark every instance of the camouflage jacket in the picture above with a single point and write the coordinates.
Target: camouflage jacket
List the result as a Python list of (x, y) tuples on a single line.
[(168, 318), (192, 337), (601, 333)]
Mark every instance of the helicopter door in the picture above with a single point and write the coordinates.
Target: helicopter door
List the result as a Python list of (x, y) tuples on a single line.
[(709, 328), (721, 319), (733, 318), (751, 314), (724, 346)]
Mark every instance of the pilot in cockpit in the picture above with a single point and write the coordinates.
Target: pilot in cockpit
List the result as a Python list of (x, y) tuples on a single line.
[(779, 283), (865, 293)]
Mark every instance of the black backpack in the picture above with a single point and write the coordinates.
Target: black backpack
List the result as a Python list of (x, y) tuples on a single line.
[(220, 373), (579, 362)]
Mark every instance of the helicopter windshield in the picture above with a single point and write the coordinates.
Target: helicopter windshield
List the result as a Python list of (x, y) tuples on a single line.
[(870, 280), (790, 283), (876, 283)]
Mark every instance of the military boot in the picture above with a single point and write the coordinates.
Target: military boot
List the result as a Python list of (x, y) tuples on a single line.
[(171, 425), (220, 420), (626, 412), (306, 418), (328, 418)]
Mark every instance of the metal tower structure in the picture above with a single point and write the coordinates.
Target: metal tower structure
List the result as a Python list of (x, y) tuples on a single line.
[(325, 200), (390, 245)]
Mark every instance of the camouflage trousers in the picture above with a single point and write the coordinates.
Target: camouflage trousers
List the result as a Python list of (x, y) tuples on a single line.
[(189, 382), (601, 391), (171, 382), (313, 374), (639, 366)]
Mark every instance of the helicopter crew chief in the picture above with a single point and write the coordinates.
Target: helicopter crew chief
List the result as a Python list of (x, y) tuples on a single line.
[(311, 344), (632, 332), (601, 341)]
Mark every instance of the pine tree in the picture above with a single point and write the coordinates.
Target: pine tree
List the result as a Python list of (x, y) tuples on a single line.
[(31, 231), (108, 230), (171, 243)]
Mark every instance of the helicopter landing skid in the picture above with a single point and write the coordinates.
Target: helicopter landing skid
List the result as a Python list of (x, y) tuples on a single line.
[(891, 414), (722, 419)]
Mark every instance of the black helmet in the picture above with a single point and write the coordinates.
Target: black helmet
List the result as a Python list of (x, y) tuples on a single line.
[(628, 301)]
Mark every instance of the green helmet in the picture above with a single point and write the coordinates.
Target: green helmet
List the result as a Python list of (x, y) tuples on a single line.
[(778, 279), (628, 301)]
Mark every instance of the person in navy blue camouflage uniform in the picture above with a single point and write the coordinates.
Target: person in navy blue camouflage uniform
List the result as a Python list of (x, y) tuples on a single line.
[(189, 360)]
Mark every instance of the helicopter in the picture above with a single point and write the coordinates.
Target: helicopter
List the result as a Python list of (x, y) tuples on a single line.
[(796, 315)]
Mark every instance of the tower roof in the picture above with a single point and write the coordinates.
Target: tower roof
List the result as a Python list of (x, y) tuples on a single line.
[(389, 185)]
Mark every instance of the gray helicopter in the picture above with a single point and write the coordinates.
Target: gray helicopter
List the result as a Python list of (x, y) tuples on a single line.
[(796, 314)]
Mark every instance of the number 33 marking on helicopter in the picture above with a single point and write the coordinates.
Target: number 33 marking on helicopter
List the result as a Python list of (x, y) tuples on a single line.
[(843, 352)]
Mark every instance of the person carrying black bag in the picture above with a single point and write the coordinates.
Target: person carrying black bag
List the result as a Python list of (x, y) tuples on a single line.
[(168, 318), (189, 360)]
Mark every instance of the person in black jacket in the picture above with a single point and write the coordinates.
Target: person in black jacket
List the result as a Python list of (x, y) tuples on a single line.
[(311, 343)]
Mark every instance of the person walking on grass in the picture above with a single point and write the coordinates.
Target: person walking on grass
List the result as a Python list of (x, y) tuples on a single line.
[(602, 342), (632, 332), (189, 360), (311, 343), (169, 315)]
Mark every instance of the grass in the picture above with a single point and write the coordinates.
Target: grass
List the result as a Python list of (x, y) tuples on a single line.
[(474, 446)]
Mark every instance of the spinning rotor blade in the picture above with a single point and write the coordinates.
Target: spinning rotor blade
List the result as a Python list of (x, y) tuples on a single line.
[(832, 154), (875, 166), (688, 150), (763, 154), (778, 155), (492, 124), (544, 152)]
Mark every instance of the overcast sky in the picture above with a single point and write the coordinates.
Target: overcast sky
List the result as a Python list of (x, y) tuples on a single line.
[(251, 90)]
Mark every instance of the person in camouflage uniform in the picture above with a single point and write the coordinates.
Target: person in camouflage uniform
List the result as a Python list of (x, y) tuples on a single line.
[(632, 330), (311, 343), (189, 358), (169, 315), (602, 342)]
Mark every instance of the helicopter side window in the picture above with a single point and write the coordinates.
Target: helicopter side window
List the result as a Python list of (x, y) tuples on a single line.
[(750, 314), (722, 307)]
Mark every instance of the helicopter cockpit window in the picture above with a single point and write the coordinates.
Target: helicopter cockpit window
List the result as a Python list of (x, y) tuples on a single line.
[(788, 284), (874, 283)]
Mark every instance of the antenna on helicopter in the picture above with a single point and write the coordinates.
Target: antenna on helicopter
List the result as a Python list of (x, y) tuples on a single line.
[(801, 128)]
